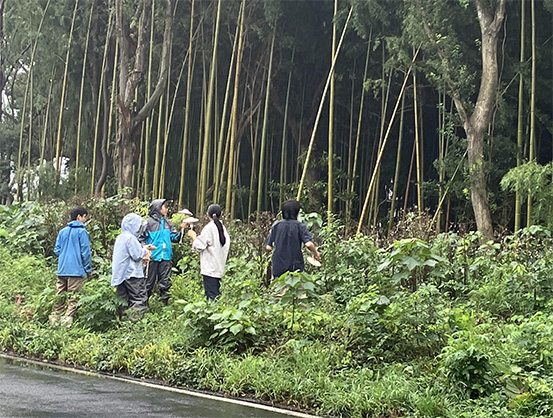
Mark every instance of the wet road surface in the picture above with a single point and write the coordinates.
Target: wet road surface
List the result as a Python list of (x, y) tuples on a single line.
[(29, 390)]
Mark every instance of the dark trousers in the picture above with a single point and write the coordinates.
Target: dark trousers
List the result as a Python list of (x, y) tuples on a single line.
[(133, 290), (160, 270), (211, 287)]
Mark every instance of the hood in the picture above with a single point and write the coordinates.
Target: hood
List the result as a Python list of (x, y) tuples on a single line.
[(154, 210), (75, 224), (131, 223)]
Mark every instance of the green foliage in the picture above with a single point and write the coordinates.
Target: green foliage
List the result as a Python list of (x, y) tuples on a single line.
[(98, 304), (295, 289), (353, 337), (412, 262), (534, 181), (470, 361)]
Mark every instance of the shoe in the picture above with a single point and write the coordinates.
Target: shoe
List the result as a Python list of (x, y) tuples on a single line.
[(53, 318)]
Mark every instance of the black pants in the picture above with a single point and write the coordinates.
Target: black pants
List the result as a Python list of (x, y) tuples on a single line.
[(160, 270), (211, 287), (133, 290)]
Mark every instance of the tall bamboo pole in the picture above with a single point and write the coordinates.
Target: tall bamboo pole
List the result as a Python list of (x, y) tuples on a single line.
[(30, 142), (261, 175), (157, 157), (386, 89), (352, 176), (321, 104), (520, 124), (398, 166), (64, 85), (46, 118), (168, 119), (24, 109), (381, 152), (417, 145), (100, 89), (81, 94), (234, 117), (209, 116), (219, 158), (532, 155), (147, 133), (283, 151), (330, 195)]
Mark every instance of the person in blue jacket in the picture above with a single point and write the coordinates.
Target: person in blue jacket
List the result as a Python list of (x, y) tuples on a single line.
[(159, 232), (127, 275), (74, 263)]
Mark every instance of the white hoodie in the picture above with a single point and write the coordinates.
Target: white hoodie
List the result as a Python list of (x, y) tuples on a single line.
[(213, 255)]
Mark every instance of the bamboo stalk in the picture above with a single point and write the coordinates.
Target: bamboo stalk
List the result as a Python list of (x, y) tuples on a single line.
[(381, 152), (233, 125), (312, 140), (330, 174), (209, 116), (81, 95), (520, 124), (99, 104), (351, 178), (24, 108), (261, 175), (398, 166), (532, 155), (64, 85)]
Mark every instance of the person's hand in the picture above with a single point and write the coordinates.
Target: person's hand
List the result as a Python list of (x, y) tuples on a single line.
[(316, 255), (149, 247), (147, 255), (192, 234)]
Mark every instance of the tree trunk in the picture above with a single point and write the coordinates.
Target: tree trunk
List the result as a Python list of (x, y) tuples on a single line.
[(476, 125), (128, 131)]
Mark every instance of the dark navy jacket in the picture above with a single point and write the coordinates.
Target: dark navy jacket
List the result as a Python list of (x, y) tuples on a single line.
[(286, 238)]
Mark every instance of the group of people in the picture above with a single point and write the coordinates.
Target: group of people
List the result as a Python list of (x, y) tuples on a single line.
[(142, 255)]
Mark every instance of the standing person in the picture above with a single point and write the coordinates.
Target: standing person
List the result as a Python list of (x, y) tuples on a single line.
[(213, 244), (160, 233), (74, 263), (127, 275), (286, 238)]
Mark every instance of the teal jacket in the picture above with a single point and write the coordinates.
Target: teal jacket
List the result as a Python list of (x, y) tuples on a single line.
[(158, 231)]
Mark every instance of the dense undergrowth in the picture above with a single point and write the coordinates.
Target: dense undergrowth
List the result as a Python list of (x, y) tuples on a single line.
[(433, 327)]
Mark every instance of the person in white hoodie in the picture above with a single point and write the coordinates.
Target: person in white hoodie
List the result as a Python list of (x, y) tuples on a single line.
[(127, 275), (213, 244)]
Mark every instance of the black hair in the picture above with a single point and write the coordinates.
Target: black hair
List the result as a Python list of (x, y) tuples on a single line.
[(78, 211), (214, 212), (290, 209)]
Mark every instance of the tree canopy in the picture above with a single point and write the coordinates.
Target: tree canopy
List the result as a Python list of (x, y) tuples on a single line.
[(204, 100)]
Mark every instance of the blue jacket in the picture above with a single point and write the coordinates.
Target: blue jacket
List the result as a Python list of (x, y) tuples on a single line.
[(73, 251), (158, 231), (128, 252)]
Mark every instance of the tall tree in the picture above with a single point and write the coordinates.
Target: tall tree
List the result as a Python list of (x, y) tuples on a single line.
[(133, 36), (490, 16)]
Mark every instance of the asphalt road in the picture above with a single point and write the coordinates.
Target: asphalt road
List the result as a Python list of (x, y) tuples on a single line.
[(28, 390)]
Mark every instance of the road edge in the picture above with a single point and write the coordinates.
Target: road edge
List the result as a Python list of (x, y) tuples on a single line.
[(146, 383)]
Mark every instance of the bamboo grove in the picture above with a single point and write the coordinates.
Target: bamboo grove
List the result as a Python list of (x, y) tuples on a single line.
[(362, 109)]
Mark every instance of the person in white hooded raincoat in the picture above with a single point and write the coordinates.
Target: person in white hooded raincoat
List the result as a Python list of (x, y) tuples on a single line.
[(127, 275)]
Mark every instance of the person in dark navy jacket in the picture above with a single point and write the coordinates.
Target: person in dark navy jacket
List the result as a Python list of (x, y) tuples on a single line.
[(286, 239), (158, 232)]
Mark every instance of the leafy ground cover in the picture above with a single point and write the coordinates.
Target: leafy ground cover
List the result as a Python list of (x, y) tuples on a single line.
[(417, 327)]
